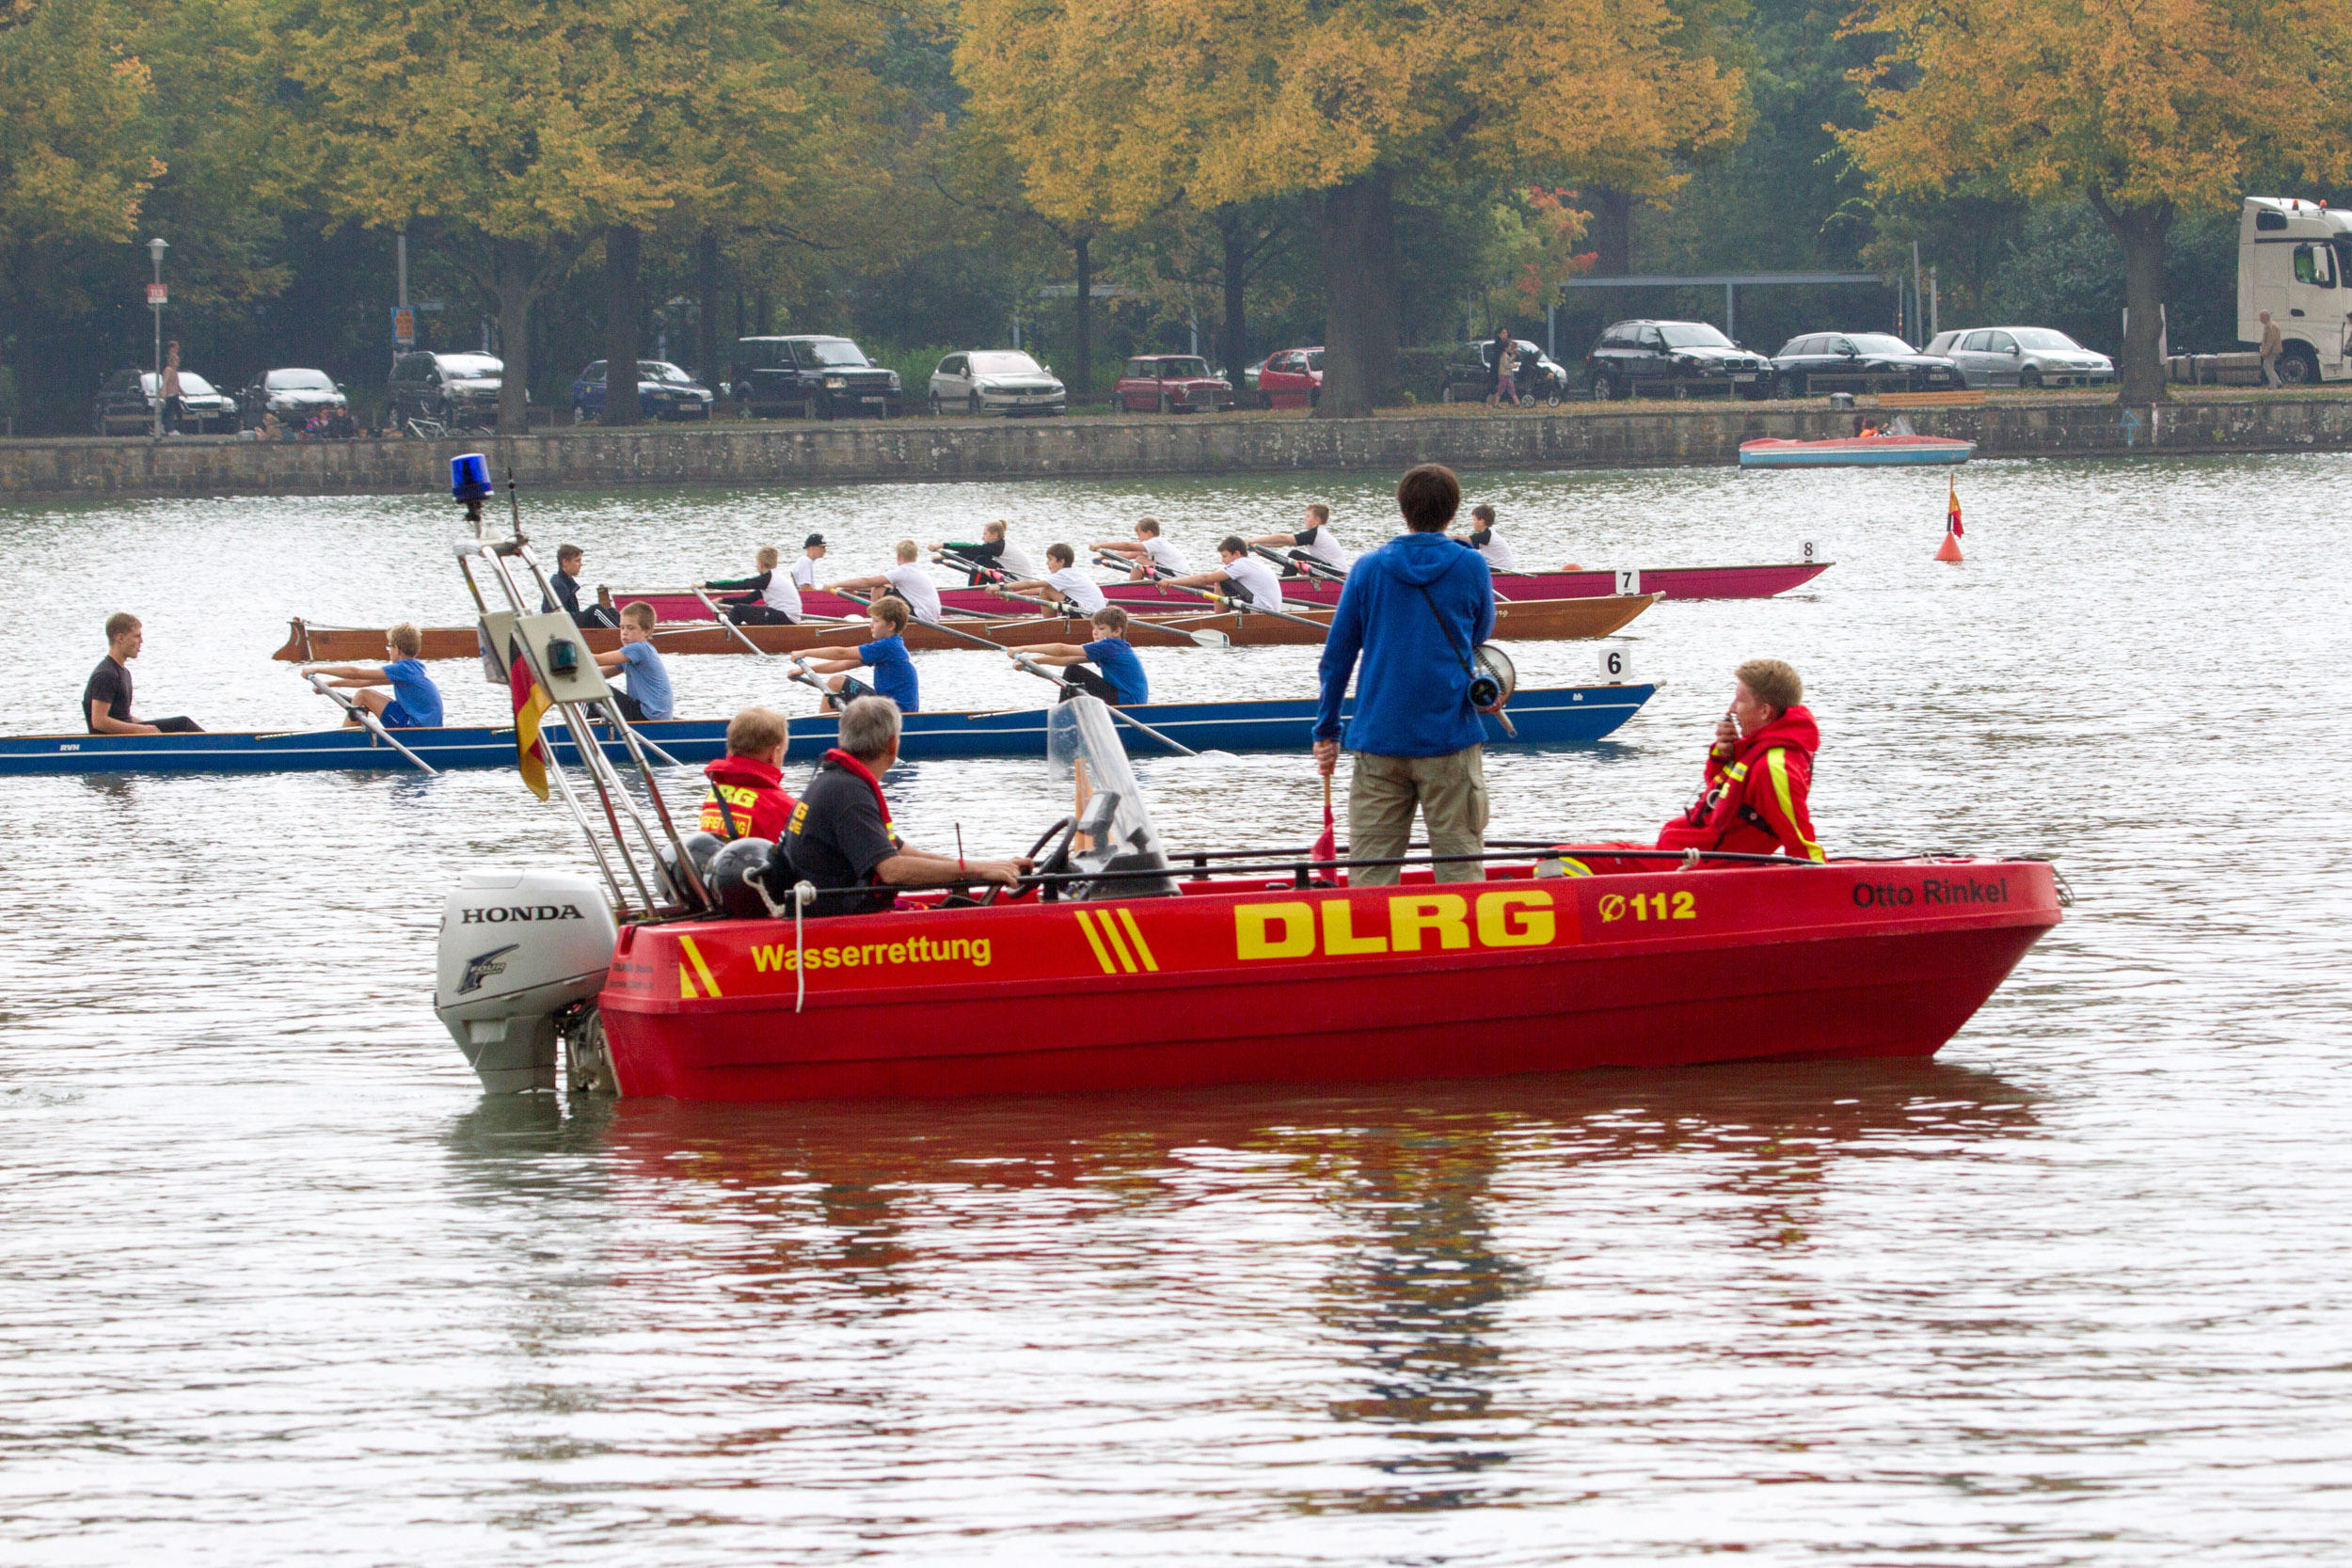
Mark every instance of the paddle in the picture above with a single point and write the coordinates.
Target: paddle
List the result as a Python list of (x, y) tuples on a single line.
[(1307, 564), (1025, 662), (1245, 607), (719, 615), (367, 721)]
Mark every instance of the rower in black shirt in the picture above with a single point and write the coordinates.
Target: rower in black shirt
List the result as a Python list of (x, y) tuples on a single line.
[(106, 700), (567, 585), (840, 836)]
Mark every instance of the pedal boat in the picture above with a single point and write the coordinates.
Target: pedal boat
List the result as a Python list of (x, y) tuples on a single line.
[(1856, 452)]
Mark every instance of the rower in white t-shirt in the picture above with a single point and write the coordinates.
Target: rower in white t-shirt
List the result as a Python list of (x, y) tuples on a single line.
[(804, 569), (1243, 571), (906, 579), (1075, 589), (1486, 542), (995, 552), (1150, 552), (1314, 540)]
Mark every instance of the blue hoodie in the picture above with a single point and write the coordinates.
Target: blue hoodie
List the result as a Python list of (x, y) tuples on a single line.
[(1412, 698)]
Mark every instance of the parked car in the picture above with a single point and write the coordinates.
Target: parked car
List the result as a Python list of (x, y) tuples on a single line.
[(1292, 378), (125, 405), (1468, 373), (814, 375), (2021, 357), (996, 381), (1656, 358), (293, 395), (1171, 383), (1858, 362), (460, 391), (663, 392)]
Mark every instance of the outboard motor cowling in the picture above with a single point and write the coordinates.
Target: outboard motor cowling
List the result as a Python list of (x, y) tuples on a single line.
[(516, 948)]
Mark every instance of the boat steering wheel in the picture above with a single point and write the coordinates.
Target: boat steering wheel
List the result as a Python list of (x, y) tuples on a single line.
[(1068, 828)]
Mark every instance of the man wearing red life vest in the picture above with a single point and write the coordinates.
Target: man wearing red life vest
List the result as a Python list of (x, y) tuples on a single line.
[(1759, 772), (746, 798)]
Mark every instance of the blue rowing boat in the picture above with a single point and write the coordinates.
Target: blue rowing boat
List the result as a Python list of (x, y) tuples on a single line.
[(1553, 716)]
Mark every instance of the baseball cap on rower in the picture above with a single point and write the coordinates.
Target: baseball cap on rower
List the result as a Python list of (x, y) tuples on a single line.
[(812, 541)]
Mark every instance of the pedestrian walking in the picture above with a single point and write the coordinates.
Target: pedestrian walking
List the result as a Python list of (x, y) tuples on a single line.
[(2273, 345), (1412, 615), (1494, 361), (169, 390)]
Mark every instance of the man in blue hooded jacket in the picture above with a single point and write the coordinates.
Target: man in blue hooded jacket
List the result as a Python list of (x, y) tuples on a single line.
[(1414, 611)]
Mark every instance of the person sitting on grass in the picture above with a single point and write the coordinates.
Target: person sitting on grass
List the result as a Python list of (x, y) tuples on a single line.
[(746, 798), (398, 692), (840, 837), (1064, 582), (884, 651), (1118, 675), (648, 692)]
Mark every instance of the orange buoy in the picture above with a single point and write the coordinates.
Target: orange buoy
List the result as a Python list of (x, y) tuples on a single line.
[(1949, 548)]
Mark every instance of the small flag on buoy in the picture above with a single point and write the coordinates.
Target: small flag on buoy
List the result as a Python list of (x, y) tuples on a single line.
[(1949, 548)]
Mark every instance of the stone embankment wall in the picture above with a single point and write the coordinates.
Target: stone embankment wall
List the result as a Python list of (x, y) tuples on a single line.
[(919, 450)]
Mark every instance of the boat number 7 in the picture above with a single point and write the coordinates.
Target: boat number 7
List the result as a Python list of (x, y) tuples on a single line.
[(1650, 906), (1630, 580)]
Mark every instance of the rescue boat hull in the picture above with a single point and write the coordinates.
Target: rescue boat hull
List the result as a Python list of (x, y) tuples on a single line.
[(1514, 974)]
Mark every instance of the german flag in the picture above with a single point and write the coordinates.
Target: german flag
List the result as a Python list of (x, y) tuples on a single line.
[(1951, 509), (531, 700)]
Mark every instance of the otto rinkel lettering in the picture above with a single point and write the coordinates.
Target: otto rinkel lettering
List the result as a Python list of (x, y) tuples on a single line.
[(1933, 890), (499, 914)]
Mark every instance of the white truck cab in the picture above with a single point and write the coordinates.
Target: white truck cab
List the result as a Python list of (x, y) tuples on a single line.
[(2295, 260)]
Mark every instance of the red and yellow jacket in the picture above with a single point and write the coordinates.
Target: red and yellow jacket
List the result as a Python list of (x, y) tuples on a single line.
[(755, 795), (1755, 799)]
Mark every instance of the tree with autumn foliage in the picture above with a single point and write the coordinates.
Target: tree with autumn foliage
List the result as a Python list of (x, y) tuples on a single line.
[(1113, 109), (2140, 107)]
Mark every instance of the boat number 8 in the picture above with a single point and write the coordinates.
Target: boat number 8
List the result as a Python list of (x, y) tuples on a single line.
[(1808, 552), (1650, 906)]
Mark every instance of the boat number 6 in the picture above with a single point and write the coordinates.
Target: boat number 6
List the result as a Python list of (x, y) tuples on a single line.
[(1650, 906)]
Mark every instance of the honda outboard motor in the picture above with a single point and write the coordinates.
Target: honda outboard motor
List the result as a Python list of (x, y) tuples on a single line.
[(517, 948)]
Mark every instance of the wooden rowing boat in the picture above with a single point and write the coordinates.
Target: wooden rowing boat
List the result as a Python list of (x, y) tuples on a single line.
[(1550, 716), (1531, 620)]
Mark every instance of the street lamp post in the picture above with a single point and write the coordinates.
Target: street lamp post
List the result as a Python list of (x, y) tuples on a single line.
[(155, 247)]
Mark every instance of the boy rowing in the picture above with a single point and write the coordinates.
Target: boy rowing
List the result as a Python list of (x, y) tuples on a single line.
[(398, 692), (647, 678), (1118, 675), (1152, 555), (884, 651), (1064, 582)]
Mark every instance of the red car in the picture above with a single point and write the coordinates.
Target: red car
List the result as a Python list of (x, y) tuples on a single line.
[(1171, 383), (1292, 379)]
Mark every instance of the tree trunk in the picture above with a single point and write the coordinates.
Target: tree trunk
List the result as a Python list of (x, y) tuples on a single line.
[(1236, 345), (1081, 385), (1355, 226), (707, 313), (515, 272), (1613, 230), (2140, 231), (623, 246)]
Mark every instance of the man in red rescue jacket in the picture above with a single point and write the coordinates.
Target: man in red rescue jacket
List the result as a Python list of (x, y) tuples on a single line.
[(1759, 772), (746, 798)]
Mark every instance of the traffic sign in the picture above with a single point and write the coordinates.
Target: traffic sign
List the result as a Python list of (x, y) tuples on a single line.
[(158, 293), (404, 326)]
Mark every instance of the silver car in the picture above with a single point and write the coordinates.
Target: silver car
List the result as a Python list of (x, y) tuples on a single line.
[(996, 381), (2021, 357)]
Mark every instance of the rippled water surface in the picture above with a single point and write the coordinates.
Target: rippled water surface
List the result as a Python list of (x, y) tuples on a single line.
[(278, 1283)]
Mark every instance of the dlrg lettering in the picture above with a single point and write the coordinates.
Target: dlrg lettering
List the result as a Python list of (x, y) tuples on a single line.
[(1414, 922)]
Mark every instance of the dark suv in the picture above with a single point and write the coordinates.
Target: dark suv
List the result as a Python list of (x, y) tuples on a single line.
[(461, 390), (1672, 359), (815, 376)]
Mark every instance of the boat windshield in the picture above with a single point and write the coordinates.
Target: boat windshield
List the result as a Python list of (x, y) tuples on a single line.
[(1114, 827)]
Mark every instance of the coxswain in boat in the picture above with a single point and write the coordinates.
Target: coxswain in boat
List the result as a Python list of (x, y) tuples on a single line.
[(885, 652), (804, 569), (747, 798), (1072, 588), (840, 837), (107, 699), (995, 559), (914, 587), (398, 692), (1242, 577), (769, 597), (568, 559), (1759, 776), (1314, 541), (1486, 542), (1152, 555), (1118, 675), (641, 668)]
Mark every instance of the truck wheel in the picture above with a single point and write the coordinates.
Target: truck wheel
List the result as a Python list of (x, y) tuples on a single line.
[(2298, 367)]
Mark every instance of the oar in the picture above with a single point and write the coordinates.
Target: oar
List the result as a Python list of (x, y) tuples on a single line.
[(367, 721), (1063, 613), (1244, 606), (719, 615), (1306, 565), (1023, 661)]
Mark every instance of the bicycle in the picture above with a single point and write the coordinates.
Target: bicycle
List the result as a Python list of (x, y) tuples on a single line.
[(428, 430)]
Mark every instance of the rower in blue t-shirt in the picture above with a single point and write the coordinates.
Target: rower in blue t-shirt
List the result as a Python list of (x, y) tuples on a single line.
[(414, 702), (648, 679), (885, 652), (1118, 673)]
